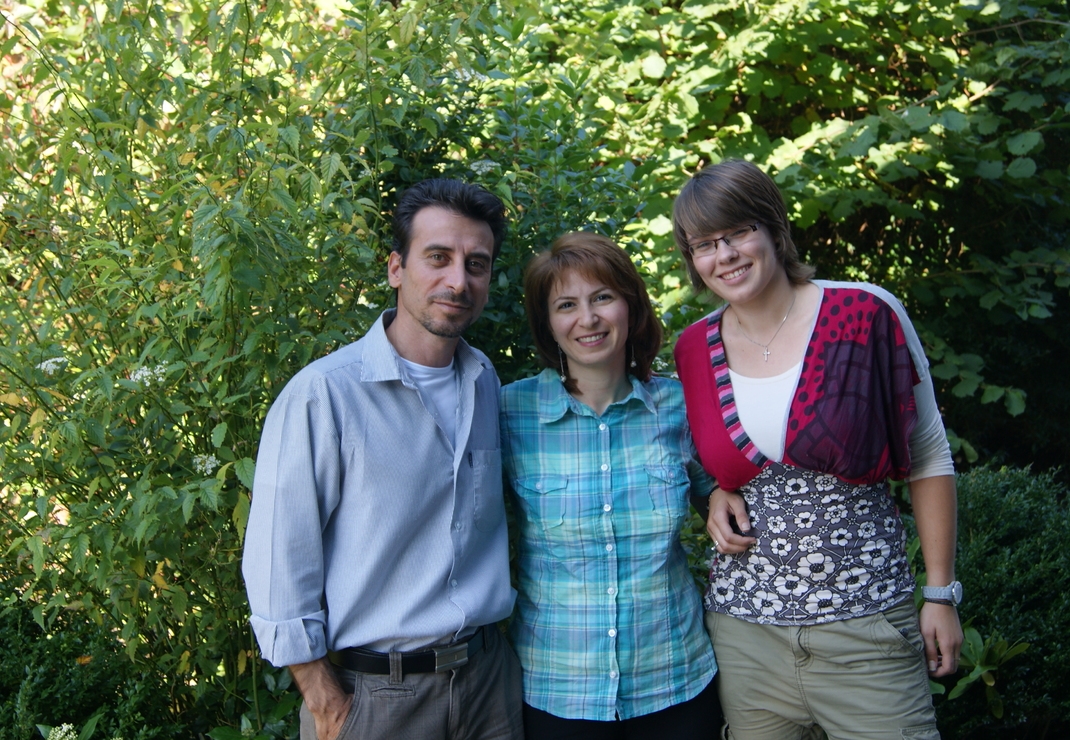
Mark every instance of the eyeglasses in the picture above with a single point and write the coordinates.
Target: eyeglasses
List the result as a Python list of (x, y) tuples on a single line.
[(707, 247)]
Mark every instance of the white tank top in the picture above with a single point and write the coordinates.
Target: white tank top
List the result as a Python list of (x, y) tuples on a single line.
[(763, 405)]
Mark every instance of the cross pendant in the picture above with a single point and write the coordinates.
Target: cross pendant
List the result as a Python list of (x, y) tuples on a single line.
[(766, 353)]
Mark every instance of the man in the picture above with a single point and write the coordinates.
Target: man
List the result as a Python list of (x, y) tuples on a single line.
[(376, 556)]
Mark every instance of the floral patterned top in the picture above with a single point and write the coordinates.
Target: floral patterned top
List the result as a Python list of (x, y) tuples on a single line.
[(830, 544), (826, 550)]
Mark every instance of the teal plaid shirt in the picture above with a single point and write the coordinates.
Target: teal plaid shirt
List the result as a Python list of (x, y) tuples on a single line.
[(609, 622)]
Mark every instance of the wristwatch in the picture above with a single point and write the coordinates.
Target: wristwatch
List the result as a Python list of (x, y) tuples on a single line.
[(949, 595)]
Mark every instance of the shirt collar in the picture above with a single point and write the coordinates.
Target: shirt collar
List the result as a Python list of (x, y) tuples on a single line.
[(381, 362), (555, 401)]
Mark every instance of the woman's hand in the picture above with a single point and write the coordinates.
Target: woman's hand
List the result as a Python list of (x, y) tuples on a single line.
[(935, 506), (943, 638), (723, 506)]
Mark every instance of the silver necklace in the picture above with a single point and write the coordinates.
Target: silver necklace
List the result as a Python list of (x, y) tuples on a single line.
[(765, 346)]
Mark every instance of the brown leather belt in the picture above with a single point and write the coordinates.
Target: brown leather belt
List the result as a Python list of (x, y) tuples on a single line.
[(432, 660)]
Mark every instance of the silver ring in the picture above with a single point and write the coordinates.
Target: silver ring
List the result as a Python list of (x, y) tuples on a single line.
[(716, 544)]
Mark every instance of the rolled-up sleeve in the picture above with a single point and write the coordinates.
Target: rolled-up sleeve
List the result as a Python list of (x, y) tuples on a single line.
[(295, 490)]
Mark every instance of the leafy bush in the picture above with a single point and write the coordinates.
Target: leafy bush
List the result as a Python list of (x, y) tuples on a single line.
[(201, 205), (1014, 564), (73, 672), (195, 197)]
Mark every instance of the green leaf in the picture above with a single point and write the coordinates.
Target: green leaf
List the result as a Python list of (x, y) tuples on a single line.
[(966, 387), (660, 225), (240, 515), (1024, 142), (992, 393), (1021, 168), (290, 135), (990, 169), (219, 433), (90, 727), (226, 733), (1022, 101), (245, 469), (1014, 401), (995, 703), (990, 299), (944, 371), (1014, 651), (654, 66)]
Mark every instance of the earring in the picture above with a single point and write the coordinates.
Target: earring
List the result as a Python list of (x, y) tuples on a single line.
[(561, 360), (633, 356)]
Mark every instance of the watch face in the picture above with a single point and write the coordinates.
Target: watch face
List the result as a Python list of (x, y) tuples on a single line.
[(956, 592)]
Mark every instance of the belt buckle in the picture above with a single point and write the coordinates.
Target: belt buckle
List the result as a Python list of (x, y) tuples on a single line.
[(450, 657)]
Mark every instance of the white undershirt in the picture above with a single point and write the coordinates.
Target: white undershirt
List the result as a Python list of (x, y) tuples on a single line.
[(763, 405), (438, 388)]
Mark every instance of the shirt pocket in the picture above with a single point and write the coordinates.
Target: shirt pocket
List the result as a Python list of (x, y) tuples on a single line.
[(545, 501), (487, 490), (668, 486)]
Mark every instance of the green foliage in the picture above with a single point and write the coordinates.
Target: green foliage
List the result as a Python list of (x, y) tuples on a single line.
[(1014, 564), (199, 205), (196, 197), (921, 146), (982, 659), (74, 674)]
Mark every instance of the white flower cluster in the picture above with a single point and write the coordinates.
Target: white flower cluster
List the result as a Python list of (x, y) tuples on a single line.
[(51, 365), (63, 732), (205, 464), (465, 75), (149, 375), (483, 166)]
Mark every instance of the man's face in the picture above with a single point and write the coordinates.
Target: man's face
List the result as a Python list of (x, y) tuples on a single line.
[(444, 282)]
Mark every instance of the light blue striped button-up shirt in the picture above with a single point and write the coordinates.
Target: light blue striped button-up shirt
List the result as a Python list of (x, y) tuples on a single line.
[(609, 621), (367, 527)]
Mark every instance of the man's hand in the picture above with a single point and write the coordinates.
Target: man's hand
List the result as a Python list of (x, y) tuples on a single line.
[(723, 505), (942, 633), (323, 696)]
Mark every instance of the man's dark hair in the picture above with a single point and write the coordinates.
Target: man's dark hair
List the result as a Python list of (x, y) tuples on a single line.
[(462, 198)]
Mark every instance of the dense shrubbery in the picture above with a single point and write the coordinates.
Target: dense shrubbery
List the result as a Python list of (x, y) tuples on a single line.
[(72, 673), (195, 197), (1014, 564)]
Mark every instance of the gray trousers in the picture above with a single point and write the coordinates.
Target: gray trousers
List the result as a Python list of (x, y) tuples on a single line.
[(478, 701)]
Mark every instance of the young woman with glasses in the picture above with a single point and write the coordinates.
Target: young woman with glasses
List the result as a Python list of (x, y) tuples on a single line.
[(804, 398)]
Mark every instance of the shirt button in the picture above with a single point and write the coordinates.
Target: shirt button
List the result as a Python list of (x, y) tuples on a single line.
[(453, 582), (601, 427), (612, 674), (612, 633), (538, 486), (604, 467), (457, 525), (611, 590), (607, 507), (609, 548)]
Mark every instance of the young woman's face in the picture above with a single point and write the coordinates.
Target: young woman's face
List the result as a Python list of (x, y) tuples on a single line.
[(589, 321), (741, 270)]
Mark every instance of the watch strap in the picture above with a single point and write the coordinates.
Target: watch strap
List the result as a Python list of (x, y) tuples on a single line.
[(945, 602)]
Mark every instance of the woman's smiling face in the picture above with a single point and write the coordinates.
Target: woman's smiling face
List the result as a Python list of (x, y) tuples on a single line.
[(740, 272), (589, 322)]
